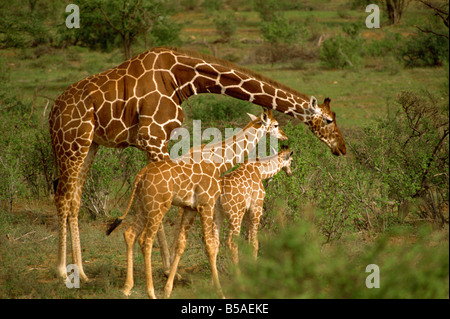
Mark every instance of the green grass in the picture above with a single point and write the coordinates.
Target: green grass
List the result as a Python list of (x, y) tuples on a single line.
[(413, 263)]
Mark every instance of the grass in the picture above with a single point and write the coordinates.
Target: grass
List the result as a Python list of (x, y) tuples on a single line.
[(413, 263), (412, 258)]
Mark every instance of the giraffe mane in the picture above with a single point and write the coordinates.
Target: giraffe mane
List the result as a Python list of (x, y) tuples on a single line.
[(254, 74)]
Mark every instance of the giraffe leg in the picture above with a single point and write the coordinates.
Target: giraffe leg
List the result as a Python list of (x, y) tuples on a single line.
[(187, 218), (162, 240), (62, 200), (130, 236), (252, 228), (234, 231), (146, 243), (164, 248), (179, 221), (62, 241), (209, 232), (67, 196), (73, 215)]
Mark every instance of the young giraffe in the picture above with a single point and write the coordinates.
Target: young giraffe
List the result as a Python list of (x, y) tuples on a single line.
[(192, 186), (242, 197), (138, 103)]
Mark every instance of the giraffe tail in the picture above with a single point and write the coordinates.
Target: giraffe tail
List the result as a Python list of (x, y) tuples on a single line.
[(113, 225)]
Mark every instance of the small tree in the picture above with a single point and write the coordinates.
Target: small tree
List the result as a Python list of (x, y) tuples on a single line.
[(103, 21), (395, 9), (439, 10)]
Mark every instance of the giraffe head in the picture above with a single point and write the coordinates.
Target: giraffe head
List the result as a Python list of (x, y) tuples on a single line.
[(285, 159), (268, 124), (322, 123)]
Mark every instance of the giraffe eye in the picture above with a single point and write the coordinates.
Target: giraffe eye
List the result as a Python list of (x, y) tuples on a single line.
[(328, 121)]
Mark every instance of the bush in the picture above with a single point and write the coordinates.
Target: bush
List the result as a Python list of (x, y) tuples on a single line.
[(110, 178), (343, 195), (295, 264), (409, 152), (280, 30), (341, 52), (215, 110), (399, 166), (424, 49), (225, 23), (389, 45)]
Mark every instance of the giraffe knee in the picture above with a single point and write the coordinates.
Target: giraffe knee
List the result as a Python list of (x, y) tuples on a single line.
[(129, 236)]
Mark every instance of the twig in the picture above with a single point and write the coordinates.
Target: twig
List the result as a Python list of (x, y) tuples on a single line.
[(32, 105), (45, 110), (29, 233), (432, 32)]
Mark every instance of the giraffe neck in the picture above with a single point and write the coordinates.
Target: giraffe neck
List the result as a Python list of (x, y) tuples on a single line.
[(269, 167), (227, 153), (195, 74)]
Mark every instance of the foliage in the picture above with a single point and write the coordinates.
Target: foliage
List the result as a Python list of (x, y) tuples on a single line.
[(269, 9), (212, 5), (111, 23), (214, 110), (401, 163), (21, 25), (389, 45), (306, 269), (281, 30), (424, 49), (343, 51), (111, 176), (409, 151), (225, 23)]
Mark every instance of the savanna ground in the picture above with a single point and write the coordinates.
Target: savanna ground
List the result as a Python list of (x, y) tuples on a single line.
[(385, 203)]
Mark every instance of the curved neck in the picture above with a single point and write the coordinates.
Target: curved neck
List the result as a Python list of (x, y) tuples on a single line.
[(196, 75), (268, 167), (232, 150)]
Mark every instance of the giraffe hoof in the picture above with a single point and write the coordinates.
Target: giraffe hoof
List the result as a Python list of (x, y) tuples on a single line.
[(127, 292), (84, 279)]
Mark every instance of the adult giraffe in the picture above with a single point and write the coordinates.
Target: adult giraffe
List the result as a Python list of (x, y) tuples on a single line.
[(138, 103)]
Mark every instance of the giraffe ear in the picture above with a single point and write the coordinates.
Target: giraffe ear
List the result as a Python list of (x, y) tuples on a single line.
[(252, 117), (289, 155), (313, 102), (264, 118)]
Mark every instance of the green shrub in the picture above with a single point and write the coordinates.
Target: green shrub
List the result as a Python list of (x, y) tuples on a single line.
[(408, 151), (214, 110), (389, 45), (396, 165), (212, 5), (343, 51), (110, 179), (424, 49), (295, 264), (225, 23), (280, 30)]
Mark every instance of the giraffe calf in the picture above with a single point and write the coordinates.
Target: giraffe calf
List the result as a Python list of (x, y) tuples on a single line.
[(193, 186), (158, 186), (242, 197)]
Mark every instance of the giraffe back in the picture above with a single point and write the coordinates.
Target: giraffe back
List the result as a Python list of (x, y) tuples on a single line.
[(180, 184)]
